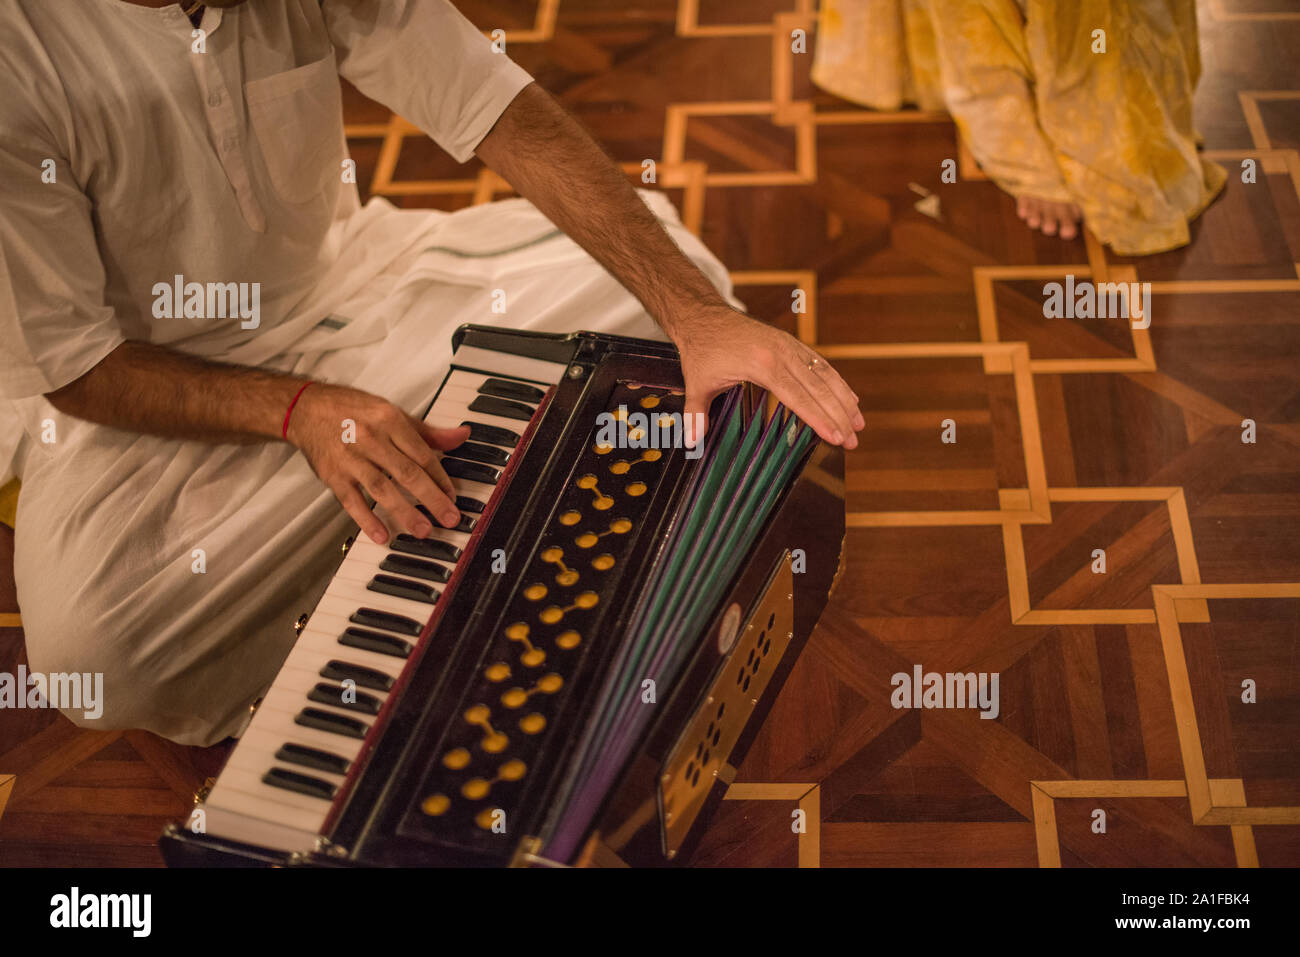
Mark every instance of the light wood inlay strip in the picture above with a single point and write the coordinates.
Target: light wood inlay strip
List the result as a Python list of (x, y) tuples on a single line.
[(1180, 688), (1123, 493), (850, 117), (940, 519), (1049, 844), (750, 791), (810, 845), (1112, 789)]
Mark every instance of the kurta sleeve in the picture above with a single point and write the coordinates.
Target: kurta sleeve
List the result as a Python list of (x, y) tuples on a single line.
[(54, 323), (425, 61)]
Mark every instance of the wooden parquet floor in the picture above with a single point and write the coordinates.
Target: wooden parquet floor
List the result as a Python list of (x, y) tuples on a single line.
[(1120, 692)]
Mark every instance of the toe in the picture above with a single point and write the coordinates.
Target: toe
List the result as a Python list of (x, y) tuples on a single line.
[(1070, 222)]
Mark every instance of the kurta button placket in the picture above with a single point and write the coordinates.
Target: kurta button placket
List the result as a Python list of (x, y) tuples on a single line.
[(224, 127)]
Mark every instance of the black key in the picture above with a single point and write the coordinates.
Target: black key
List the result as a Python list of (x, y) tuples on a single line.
[(429, 515), (416, 568), (466, 524), (312, 758), (331, 722), (302, 783), (337, 696), (494, 434), (467, 504), (374, 618), (363, 676), (507, 389), (477, 452), (375, 641), (402, 588), (506, 408), (458, 468), (425, 548)]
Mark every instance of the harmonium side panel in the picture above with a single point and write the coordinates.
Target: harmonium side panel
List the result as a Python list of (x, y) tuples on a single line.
[(660, 810)]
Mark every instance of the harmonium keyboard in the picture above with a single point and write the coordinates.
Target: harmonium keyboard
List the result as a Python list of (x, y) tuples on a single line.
[(571, 675)]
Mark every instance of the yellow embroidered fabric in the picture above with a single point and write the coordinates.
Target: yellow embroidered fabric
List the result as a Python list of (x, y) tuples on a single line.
[(1048, 106)]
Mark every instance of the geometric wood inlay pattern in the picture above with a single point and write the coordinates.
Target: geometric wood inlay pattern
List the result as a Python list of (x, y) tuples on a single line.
[(1119, 692)]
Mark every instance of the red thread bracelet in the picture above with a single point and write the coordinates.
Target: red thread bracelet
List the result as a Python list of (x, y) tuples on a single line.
[(284, 431)]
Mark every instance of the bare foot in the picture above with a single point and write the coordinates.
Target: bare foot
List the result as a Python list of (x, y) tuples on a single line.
[(1049, 216)]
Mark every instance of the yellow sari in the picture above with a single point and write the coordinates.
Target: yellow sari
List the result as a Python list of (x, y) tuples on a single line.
[(1048, 106)]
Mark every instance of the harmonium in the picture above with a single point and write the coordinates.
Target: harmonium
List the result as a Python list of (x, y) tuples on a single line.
[(573, 674)]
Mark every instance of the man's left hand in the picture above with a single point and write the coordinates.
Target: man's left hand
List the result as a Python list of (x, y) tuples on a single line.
[(721, 347)]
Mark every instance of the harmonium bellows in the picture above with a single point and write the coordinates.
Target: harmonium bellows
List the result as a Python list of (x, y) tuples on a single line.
[(571, 675)]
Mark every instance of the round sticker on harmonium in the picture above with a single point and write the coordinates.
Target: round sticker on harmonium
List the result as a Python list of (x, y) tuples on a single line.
[(729, 628)]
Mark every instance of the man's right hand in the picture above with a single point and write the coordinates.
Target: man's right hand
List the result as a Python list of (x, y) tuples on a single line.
[(392, 451)]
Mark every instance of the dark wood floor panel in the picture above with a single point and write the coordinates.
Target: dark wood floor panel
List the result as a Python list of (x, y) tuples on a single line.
[(1140, 832)]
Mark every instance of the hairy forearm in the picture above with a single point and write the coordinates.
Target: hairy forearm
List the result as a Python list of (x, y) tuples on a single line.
[(145, 388), (552, 161)]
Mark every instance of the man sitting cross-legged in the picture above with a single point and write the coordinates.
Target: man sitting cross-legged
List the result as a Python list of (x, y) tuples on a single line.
[(169, 529)]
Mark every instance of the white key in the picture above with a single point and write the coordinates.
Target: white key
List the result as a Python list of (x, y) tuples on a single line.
[(369, 555), (303, 680), (312, 661), (344, 608), (289, 703), (269, 740), (361, 596), (466, 394), (456, 410), (474, 381), (286, 807), (363, 576), (321, 640), (507, 365)]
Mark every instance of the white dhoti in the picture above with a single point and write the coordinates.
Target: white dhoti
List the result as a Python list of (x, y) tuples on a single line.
[(177, 568)]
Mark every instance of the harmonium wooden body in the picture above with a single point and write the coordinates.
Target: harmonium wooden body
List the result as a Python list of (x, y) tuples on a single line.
[(574, 673)]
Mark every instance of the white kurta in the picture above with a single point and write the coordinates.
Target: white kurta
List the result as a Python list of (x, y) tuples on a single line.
[(224, 166)]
